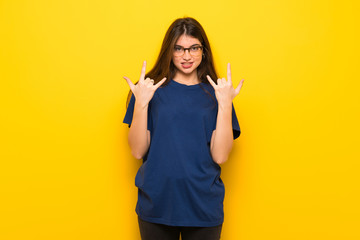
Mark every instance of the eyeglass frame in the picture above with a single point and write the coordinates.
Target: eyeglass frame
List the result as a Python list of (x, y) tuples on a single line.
[(184, 49)]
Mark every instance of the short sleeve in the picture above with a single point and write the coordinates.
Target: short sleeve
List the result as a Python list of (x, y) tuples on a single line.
[(130, 111), (235, 124)]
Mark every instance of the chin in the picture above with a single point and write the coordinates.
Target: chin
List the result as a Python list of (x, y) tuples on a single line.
[(188, 72)]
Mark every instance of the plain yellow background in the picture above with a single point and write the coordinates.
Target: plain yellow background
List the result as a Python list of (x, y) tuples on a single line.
[(66, 171)]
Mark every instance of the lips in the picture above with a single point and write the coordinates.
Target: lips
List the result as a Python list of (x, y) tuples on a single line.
[(187, 65)]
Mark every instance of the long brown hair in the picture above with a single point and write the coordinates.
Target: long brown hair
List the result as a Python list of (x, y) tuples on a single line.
[(164, 67)]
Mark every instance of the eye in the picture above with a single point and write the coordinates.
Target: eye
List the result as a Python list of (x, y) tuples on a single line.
[(178, 48), (195, 48)]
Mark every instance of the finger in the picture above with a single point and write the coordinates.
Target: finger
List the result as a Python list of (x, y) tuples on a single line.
[(211, 81), (143, 70), (229, 72), (221, 81), (147, 82), (160, 83), (237, 90), (129, 82)]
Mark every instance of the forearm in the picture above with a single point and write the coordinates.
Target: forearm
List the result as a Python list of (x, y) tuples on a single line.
[(222, 139), (138, 136)]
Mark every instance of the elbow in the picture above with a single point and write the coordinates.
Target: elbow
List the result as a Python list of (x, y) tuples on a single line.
[(139, 152), (221, 156), (136, 152), (137, 155), (220, 160)]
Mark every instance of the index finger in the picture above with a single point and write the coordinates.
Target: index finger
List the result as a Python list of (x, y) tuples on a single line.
[(143, 69)]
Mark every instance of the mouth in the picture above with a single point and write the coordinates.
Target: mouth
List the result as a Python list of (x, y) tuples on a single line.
[(187, 64)]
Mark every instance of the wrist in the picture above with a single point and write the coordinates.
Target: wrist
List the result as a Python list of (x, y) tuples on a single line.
[(141, 106), (225, 105)]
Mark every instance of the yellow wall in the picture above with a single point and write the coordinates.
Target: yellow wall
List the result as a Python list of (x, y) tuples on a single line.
[(66, 171)]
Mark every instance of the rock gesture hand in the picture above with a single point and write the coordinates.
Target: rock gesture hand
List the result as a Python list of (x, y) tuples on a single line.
[(224, 90), (144, 90)]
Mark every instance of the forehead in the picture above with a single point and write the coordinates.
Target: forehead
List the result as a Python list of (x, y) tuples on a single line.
[(187, 41)]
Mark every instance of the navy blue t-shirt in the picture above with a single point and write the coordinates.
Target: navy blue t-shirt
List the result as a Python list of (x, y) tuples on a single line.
[(178, 183)]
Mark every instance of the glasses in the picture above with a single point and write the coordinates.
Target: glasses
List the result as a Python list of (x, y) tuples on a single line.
[(194, 50)]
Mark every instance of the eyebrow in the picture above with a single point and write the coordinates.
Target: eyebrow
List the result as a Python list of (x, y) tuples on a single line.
[(189, 47)]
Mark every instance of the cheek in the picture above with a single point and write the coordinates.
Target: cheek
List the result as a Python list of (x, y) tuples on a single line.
[(199, 61), (175, 61)]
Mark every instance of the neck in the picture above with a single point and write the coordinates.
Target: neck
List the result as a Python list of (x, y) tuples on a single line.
[(188, 79)]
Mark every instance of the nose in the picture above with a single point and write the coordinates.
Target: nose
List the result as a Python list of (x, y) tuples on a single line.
[(187, 54)]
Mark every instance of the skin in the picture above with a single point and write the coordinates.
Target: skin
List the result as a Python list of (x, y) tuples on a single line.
[(186, 76), (139, 136), (222, 137)]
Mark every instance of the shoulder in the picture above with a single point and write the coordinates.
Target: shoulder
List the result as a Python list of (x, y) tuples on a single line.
[(161, 92), (207, 86)]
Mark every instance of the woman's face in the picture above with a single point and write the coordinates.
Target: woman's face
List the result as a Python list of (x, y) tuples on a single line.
[(188, 62)]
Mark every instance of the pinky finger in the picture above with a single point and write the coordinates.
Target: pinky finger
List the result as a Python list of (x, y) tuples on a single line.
[(160, 82)]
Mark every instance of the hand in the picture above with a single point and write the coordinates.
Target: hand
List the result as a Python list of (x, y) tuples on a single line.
[(224, 90), (144, 90)]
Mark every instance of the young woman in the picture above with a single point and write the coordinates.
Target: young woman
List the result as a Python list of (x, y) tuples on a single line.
[(182, 124)]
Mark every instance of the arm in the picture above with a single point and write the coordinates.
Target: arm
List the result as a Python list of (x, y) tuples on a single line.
[(222, 138), (139, 136)]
